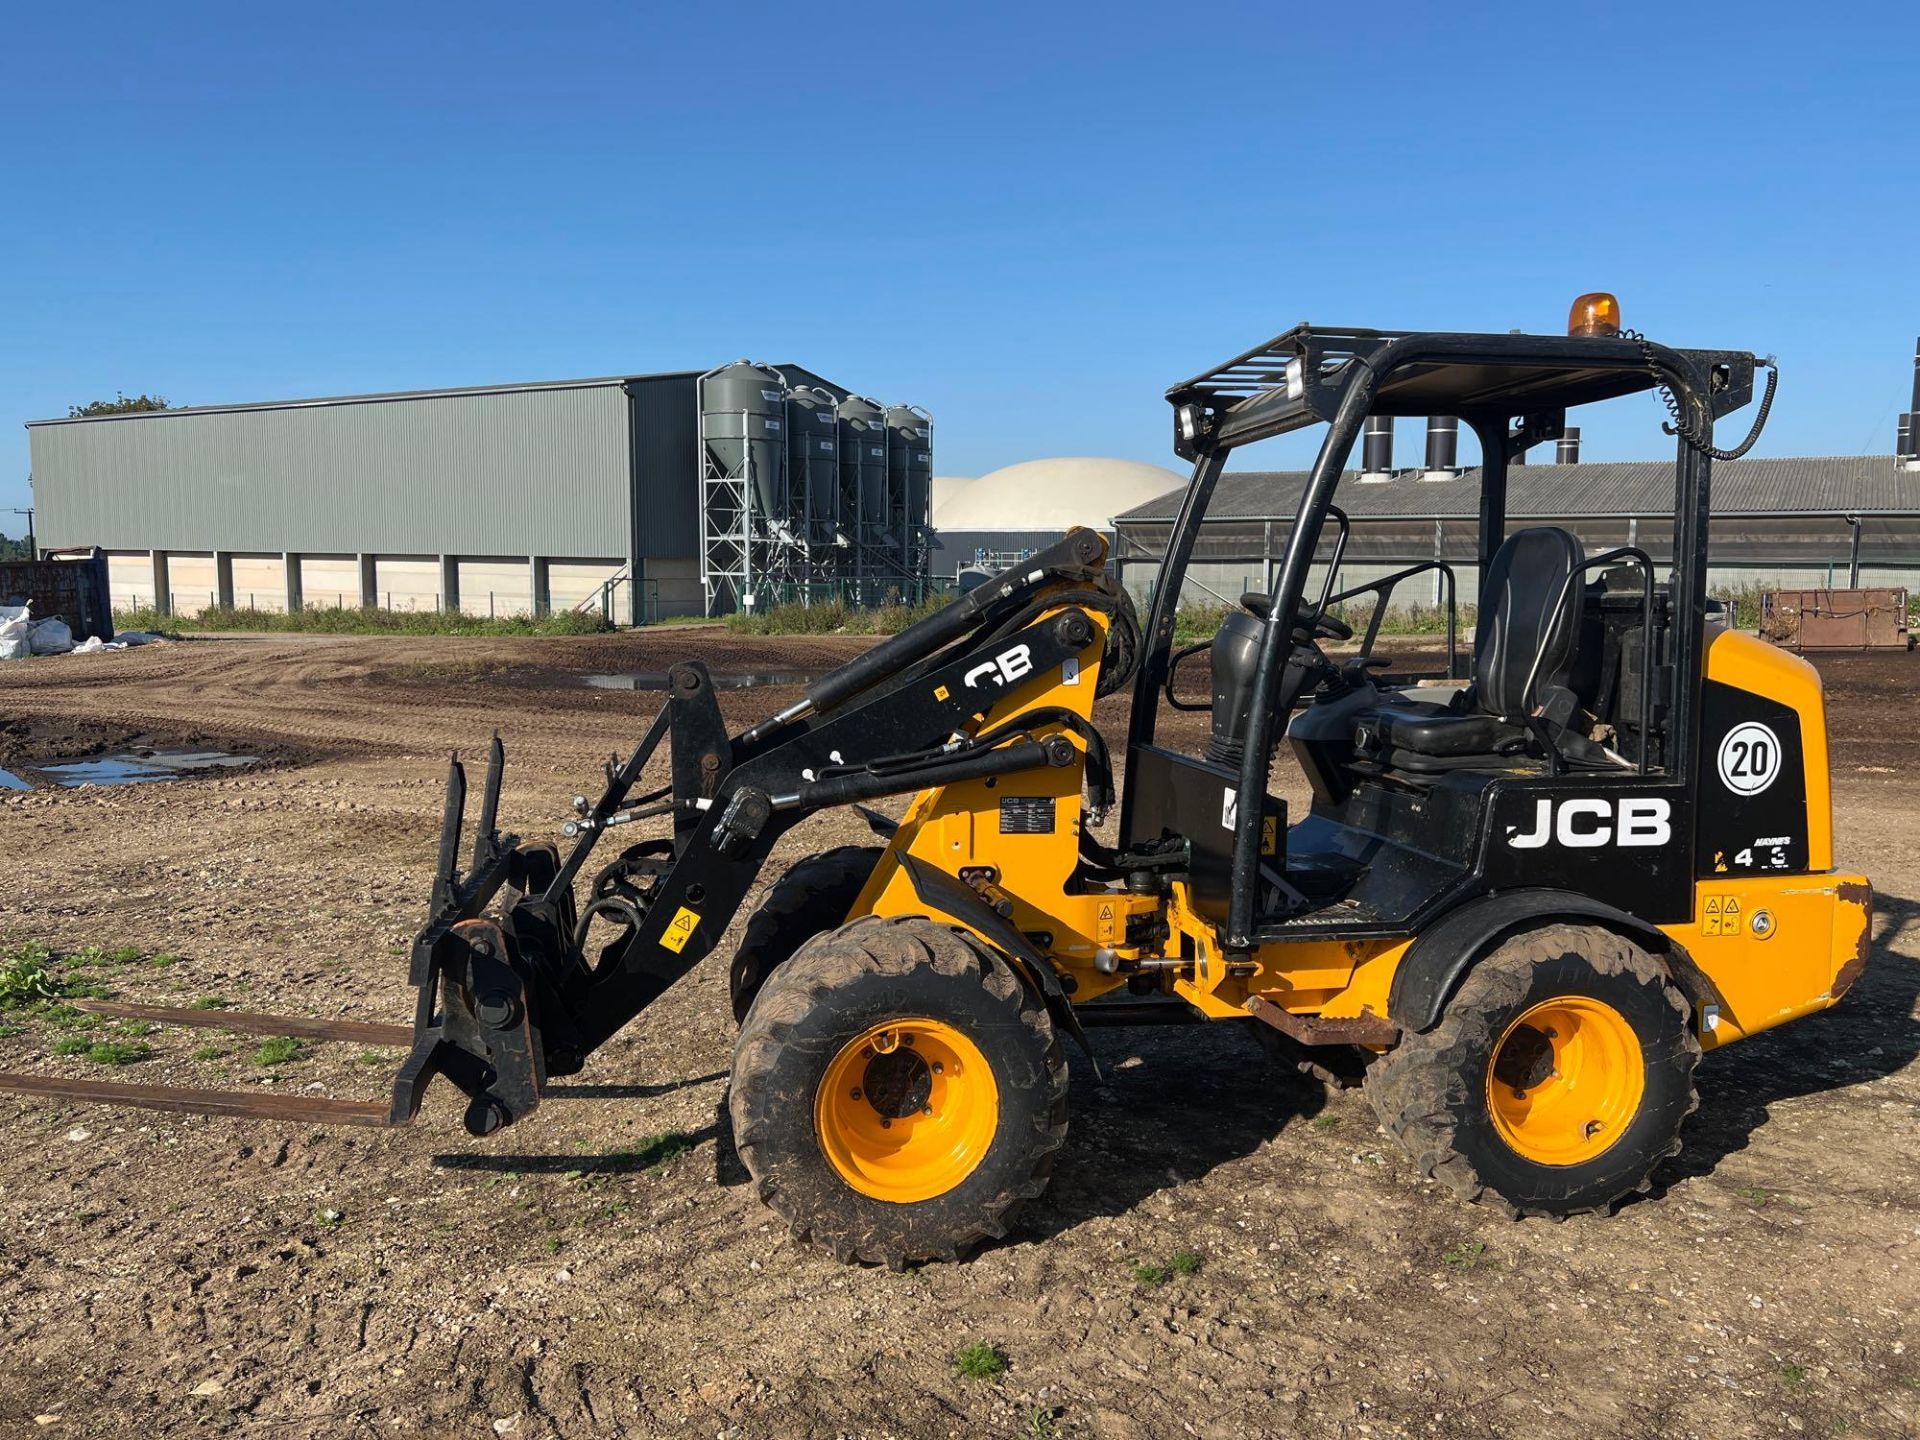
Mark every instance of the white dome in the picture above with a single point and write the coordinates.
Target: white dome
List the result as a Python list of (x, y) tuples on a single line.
[(1055, 494), (945, 487)]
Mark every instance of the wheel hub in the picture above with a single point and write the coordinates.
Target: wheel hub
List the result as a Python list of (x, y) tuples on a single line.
[(1566, 1080), (898, 1083), (906, 1110)]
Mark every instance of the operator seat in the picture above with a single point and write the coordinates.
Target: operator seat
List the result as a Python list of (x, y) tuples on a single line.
[(1522, 656)]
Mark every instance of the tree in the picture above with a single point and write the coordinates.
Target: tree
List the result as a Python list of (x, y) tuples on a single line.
[(12, 549), (120, 405)]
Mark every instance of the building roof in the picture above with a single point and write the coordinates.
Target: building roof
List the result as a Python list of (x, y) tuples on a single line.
[(519, 387), (1806, 485)]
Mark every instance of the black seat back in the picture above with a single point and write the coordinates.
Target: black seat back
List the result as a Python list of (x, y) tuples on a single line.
[(1516, 636)]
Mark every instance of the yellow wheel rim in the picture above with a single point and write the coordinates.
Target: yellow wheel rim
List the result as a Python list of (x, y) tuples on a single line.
[(907, 1110), (1566, 1080)]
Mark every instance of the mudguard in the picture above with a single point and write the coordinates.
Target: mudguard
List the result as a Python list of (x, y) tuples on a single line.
[(1442, 954), (944, 893)]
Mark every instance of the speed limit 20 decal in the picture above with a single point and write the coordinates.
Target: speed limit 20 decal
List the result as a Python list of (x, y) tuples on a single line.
[(1749, 758), (1753, 800)]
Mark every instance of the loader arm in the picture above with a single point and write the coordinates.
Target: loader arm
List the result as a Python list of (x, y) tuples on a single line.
[(504, 1003)]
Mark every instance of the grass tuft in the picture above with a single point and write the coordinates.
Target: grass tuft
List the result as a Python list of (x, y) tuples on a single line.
[(210, 1002), (278, 1051), (1186, 1262), (833, 617), (104, 1052), (209, 1052), (979, 1361), (1465, 1255), (356, 621), (1151, 1275)]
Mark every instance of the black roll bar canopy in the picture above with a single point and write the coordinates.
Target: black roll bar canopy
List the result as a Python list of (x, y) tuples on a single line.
[(1514, 390)]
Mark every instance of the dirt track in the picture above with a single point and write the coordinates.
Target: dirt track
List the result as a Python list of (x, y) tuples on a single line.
[(163, 1275)]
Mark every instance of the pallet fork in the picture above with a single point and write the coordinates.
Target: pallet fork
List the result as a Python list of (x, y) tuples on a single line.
[(455, 940)]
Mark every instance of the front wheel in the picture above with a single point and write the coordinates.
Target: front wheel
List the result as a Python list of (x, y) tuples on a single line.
[(898, 1093), (1556, 1080)]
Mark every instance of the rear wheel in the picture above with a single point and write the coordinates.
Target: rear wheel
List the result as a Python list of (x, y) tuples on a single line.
[(1555, 1082), (814, 895), (898, 1094)]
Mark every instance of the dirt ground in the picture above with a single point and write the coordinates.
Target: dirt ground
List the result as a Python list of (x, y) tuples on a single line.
[(165, 1275)]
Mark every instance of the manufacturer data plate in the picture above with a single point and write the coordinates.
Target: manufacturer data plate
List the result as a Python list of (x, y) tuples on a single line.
[(1026, 815)]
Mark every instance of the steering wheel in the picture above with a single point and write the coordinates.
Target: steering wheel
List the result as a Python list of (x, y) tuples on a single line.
[(1312, 625)]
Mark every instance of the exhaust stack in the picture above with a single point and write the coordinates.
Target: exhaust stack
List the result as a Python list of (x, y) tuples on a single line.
[(1443, 447), (1567, 451), (1376, 450)]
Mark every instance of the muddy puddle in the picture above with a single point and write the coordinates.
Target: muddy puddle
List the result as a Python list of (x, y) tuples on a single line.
[(140, 767)]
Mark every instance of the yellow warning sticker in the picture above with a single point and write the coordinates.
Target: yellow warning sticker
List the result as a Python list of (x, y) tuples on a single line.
[(940, 692), (1720, 915), (1270, 835), (679, 930), (1105, 923)]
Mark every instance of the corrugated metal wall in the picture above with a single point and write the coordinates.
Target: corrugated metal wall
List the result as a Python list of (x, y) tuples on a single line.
[(539, 471), (666, 470)]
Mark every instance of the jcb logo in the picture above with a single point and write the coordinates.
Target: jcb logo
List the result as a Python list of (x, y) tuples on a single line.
[(1005, 668), (1585, 824)]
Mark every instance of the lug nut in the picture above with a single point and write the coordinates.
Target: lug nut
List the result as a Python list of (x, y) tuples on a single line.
[(856, 1092)]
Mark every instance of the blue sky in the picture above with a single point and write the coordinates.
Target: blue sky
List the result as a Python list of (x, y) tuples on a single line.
[(1030, 219)]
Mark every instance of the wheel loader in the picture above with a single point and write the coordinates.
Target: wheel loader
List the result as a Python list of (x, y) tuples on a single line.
[(1525, 897)]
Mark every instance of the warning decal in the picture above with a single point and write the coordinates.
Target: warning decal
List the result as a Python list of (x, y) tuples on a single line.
[(679, 930), (1720, 916)]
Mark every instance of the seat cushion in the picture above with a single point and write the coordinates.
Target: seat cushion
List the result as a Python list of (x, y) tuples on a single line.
[(1439, 733)]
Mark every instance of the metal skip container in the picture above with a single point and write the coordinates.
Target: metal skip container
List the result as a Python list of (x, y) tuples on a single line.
[(813, 463), (743, 412)]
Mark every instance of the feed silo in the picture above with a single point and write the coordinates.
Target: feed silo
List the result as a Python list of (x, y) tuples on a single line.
[(813, 463), (743, 411), (863, 467), (909, 473)]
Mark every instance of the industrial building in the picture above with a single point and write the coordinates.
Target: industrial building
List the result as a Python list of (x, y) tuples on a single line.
[(643, 496)]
